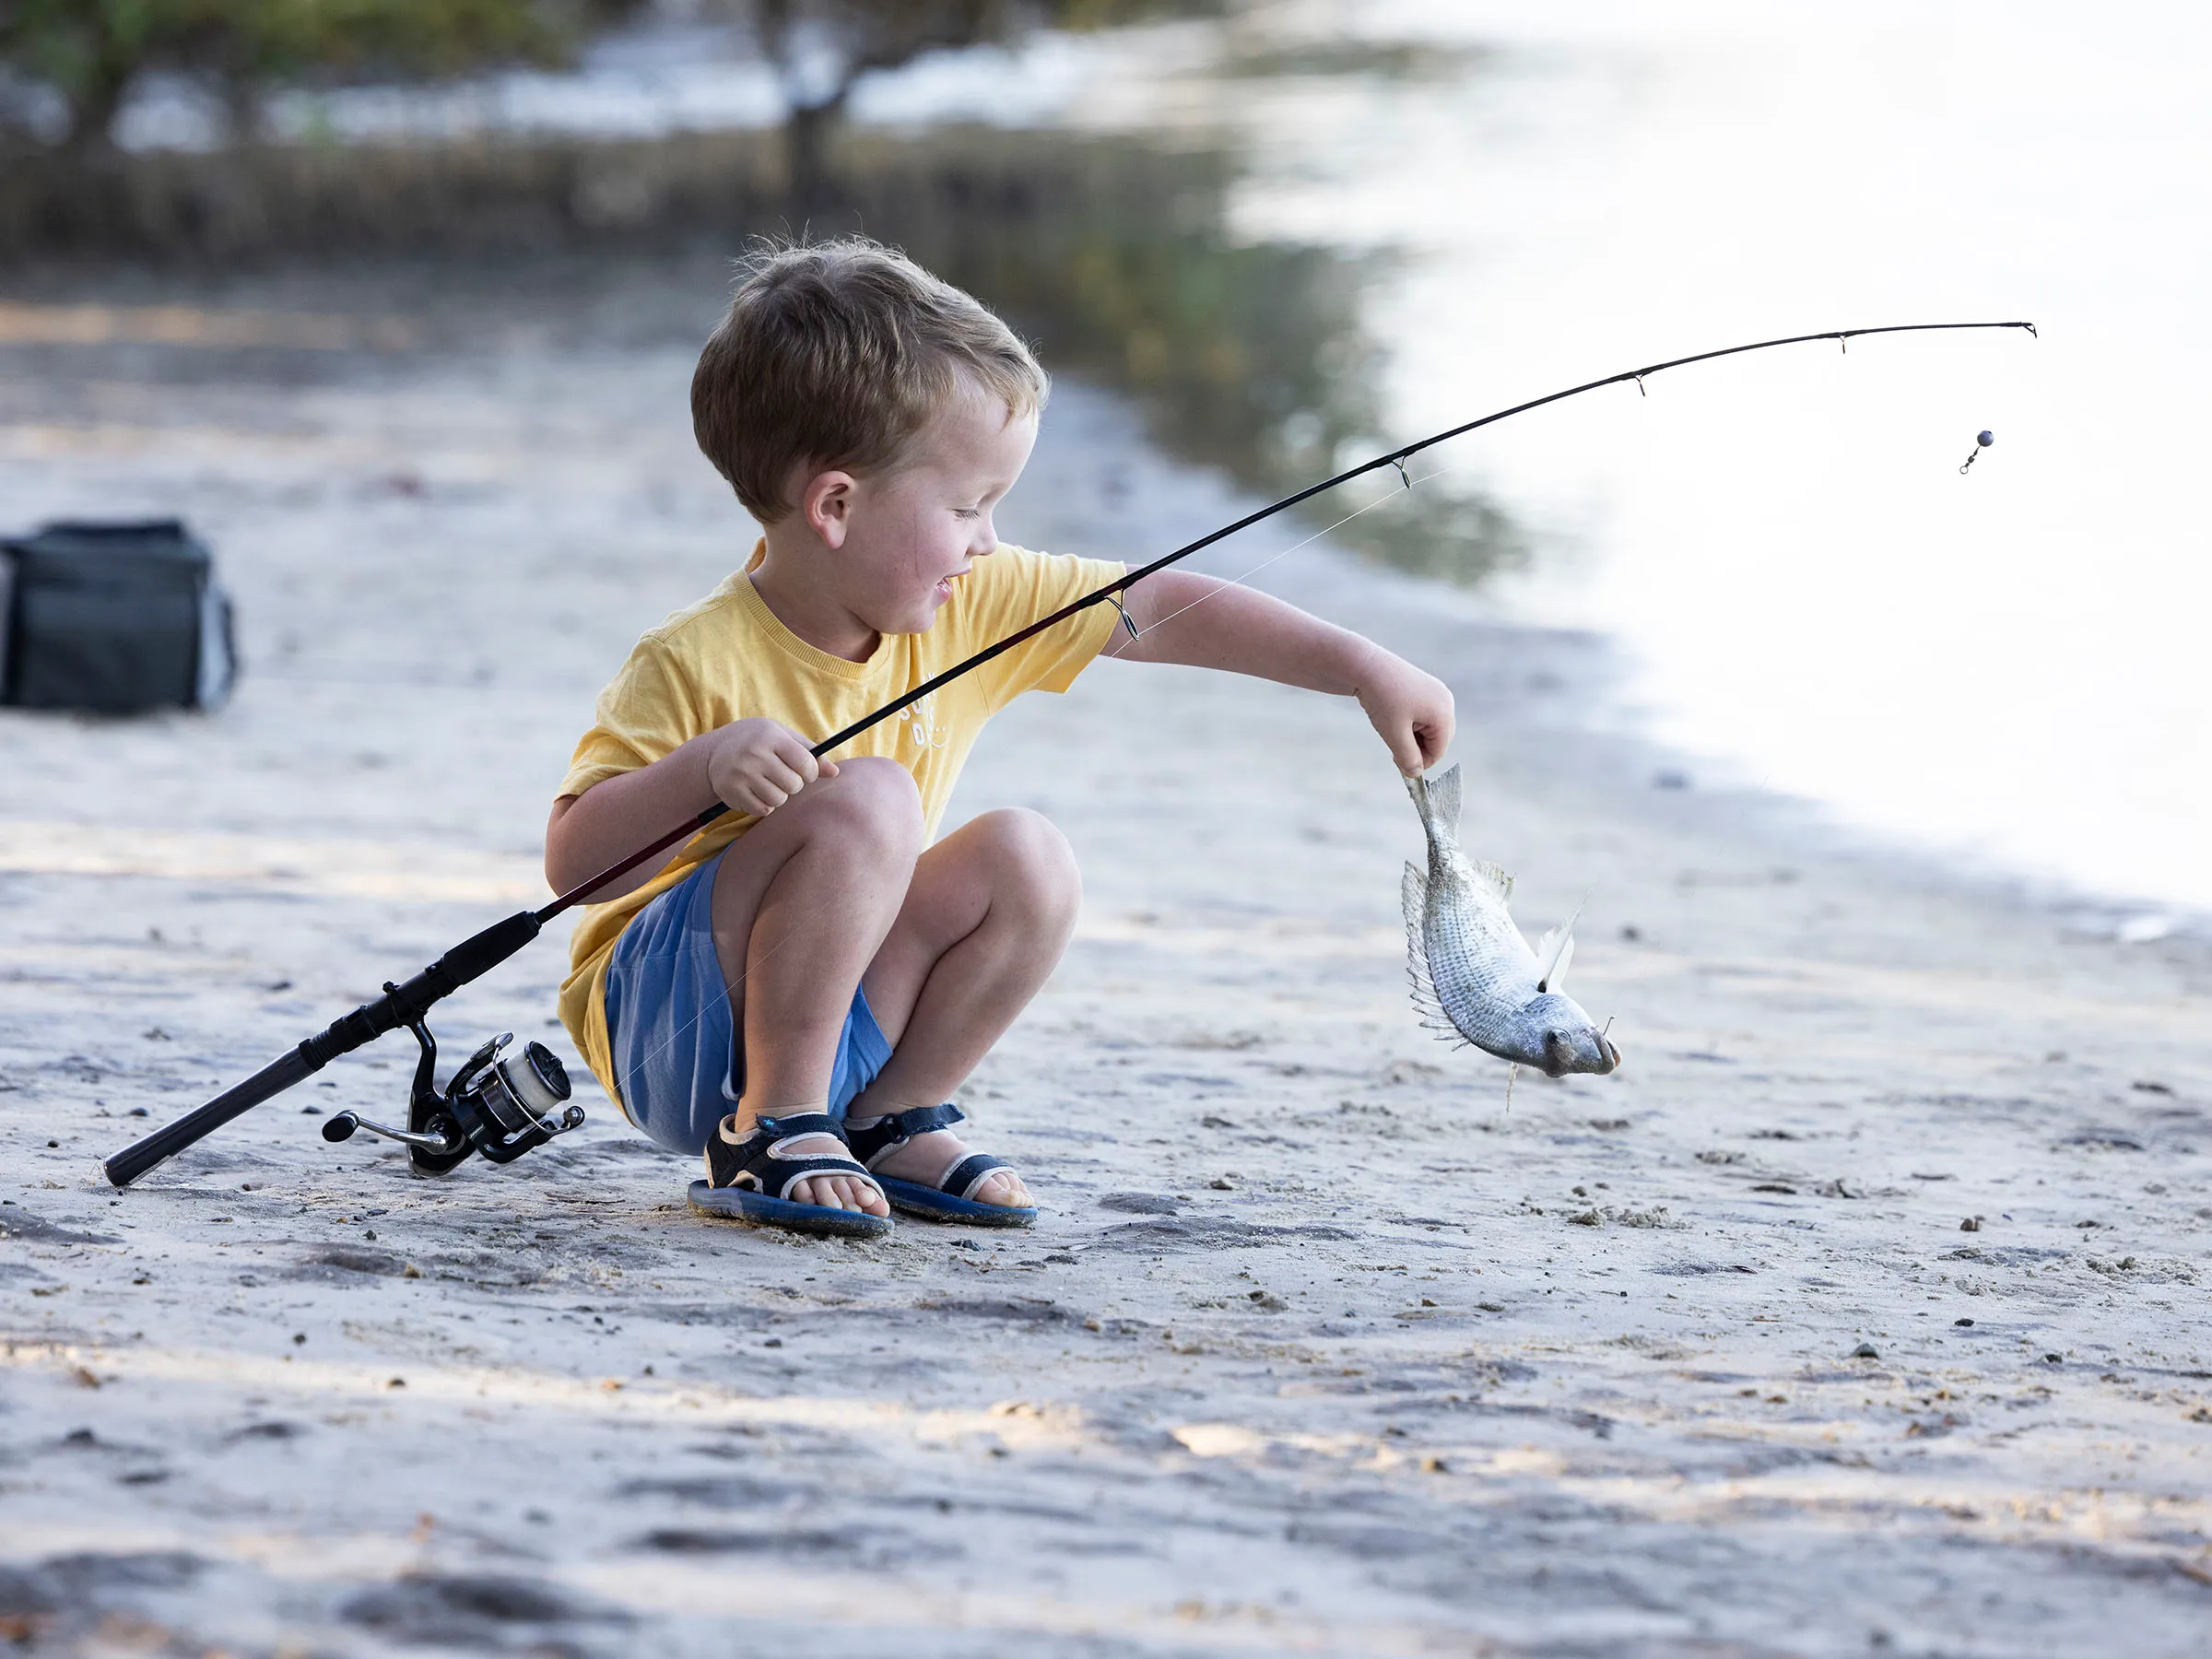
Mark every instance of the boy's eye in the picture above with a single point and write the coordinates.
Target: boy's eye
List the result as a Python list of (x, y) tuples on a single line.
[(967, 513)]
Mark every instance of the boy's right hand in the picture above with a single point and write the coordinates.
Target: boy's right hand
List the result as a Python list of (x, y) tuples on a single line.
[(757, 765)]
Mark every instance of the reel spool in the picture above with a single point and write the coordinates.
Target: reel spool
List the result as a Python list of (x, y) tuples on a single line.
[(501, 1102)]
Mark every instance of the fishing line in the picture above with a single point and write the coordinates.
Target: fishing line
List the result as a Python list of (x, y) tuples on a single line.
[(1230, 581), (406, 1004)]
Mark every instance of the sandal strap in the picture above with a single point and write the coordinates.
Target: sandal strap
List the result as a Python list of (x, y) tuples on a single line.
[(758, 1162), (970, 1173), (799, 1122), (887, 1134)]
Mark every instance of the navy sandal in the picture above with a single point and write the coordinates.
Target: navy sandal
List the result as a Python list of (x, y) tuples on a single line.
[(749, 1178), (953, 1198)]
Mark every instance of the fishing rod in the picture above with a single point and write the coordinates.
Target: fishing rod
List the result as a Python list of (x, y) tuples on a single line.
[(503, 1103)]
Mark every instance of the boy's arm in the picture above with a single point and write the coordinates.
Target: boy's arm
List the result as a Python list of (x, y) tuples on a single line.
[(1246, 631), (753, 765)]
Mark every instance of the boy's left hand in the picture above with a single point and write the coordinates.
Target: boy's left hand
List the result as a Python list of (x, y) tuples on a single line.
[(1411, 709)]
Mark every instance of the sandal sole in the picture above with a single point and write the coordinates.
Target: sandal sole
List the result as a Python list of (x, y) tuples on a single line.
[(913, 1199), (757, 1210)]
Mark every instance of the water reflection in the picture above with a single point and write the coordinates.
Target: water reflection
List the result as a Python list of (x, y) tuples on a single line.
[(1118, 253), (1116, 256)]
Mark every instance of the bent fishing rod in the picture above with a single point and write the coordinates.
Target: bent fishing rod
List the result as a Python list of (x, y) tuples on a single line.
[(503, 1103)]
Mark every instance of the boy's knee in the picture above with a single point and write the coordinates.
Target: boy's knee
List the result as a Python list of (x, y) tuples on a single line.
[(874, 804), (1032, 864)]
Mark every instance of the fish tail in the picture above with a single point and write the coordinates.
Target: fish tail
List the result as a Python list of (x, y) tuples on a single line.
[(1444, 794), (1437, 800)]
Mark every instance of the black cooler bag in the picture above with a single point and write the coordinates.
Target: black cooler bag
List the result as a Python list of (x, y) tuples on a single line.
[(114, 618)]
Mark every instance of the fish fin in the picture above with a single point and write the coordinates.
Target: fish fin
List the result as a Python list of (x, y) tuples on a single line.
[(1557, 976), (1554, 952), (1495, 879), (1413, 895), (1413, 900)]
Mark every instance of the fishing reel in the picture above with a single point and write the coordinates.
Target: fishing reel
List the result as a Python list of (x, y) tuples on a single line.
[(502, 1102)]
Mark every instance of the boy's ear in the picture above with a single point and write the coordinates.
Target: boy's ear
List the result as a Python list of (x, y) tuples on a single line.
[(826, 504)]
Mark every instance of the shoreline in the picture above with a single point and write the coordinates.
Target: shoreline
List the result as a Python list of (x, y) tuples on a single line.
[(1577, 689), (1318, 1347)]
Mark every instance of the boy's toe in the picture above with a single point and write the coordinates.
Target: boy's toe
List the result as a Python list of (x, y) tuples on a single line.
[(1003, 1187), (834, 1192), (846, 1193)]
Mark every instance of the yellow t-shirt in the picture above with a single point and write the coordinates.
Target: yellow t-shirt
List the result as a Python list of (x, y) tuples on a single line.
[(727, 658)]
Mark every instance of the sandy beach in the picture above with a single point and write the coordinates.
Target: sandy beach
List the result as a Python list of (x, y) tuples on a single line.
[(1862, 1311)]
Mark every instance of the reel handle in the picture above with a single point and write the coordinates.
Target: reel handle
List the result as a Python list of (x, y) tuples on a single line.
[(346, 1124)]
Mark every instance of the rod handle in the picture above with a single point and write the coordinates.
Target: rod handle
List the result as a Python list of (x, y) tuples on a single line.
[(169, 1140), (475, 956)]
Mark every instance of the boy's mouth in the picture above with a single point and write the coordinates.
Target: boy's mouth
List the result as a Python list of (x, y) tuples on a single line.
[(945, 584)]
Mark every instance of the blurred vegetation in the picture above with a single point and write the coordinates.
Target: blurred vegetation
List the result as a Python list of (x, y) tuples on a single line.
[(1112, 253), (1390, 60), (822, 49), (1114, 256), (92, 52)]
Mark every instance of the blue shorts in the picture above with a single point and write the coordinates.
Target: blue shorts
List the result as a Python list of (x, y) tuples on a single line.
[(676, 1051)]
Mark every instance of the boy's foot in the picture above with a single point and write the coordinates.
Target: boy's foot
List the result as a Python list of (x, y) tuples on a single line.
[(793, 1171), (927, 1169), (835, 1189)]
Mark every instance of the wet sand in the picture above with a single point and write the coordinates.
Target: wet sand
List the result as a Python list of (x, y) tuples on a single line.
[(1319, 1349)]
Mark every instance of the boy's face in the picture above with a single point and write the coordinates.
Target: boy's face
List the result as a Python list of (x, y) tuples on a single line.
[(912, 529)]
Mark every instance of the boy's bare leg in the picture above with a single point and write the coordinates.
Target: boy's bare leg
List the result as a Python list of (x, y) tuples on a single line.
[(985, 920), (952, 944), (802, 903)]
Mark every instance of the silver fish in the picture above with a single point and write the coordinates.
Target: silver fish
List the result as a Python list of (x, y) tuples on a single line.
[(1474, 979)]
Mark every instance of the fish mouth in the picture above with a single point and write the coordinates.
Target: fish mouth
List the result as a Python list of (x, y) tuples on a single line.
[(1562, 1056)]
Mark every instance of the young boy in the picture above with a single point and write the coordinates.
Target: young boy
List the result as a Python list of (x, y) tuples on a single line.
[(799, 989)]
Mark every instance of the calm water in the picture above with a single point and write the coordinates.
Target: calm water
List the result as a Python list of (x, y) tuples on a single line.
[(2013, 663), (2010, 663)]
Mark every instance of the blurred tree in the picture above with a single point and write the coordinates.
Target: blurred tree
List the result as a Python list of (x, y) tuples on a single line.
[(92, 51), (822, 49)]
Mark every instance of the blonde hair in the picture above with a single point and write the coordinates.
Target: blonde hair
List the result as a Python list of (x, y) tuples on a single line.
[(835, 354)]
